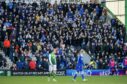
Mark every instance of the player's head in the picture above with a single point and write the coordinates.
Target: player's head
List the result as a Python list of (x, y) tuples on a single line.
[(55, 50), (82, 51)]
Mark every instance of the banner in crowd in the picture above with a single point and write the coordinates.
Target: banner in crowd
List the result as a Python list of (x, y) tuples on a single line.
[(35, 73), (95, 72)]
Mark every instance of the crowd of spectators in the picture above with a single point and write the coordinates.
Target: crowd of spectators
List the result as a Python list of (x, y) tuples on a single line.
[(28, 33)]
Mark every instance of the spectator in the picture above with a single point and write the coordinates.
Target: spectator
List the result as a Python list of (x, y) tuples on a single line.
[(32, 29), (112, 65), (125, 65), (92, 64), (7, 45), (32, 65), (19, 65)]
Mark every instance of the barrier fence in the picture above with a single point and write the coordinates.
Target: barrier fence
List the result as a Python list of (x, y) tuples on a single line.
[(103, 72), (29, 73), (69, 72)]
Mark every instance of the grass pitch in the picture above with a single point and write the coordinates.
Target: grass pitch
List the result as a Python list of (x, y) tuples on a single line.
[(63, 80)]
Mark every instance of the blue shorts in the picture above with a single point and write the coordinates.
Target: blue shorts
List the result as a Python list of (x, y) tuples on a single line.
[(79, 68)]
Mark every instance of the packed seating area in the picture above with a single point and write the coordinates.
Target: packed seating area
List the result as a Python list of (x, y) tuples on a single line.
[(30, 31)]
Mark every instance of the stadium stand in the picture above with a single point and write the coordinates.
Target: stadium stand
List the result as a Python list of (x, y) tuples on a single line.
[(33, 29)]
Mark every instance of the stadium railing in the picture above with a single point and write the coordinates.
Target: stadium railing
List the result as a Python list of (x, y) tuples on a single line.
[(53, 1)]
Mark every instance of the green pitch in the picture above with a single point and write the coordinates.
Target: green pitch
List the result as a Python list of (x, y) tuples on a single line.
[(63, 80)]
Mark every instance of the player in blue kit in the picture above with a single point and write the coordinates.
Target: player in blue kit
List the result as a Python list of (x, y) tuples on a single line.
[(79, 66)]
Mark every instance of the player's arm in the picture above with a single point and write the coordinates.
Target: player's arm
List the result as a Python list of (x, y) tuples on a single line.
[(50, 62)]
